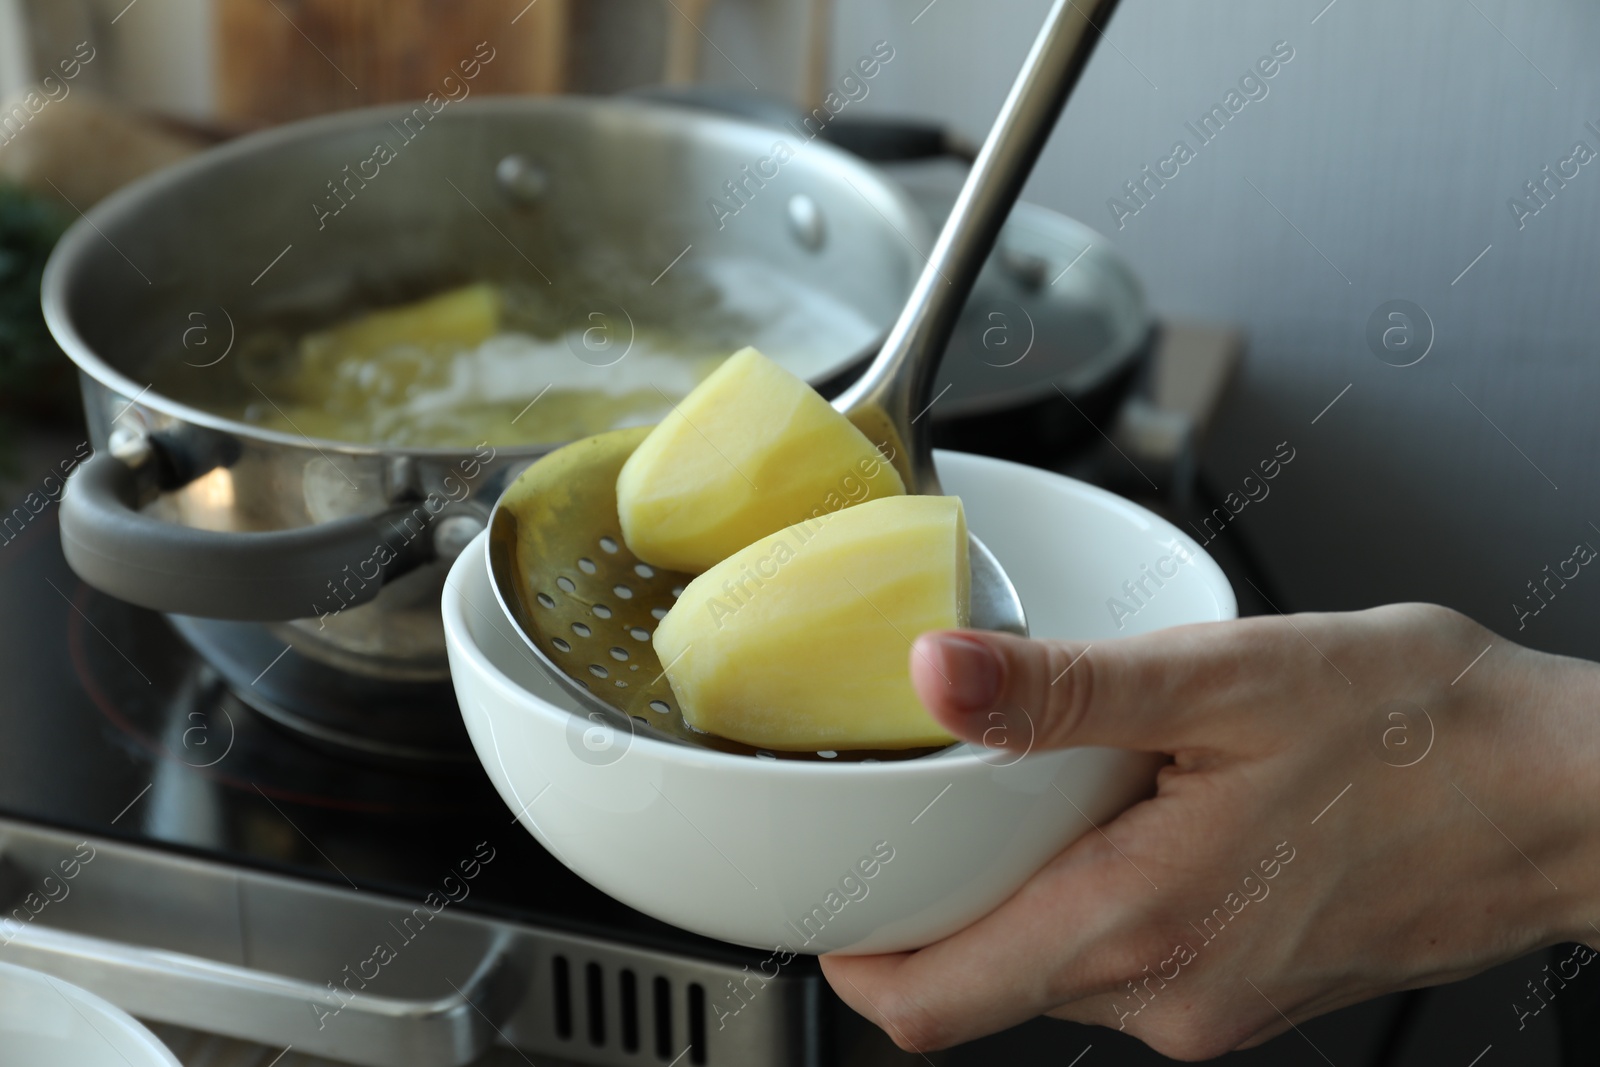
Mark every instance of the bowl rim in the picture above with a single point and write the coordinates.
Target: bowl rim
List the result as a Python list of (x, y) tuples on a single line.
[(476, 555), (125, 1023)]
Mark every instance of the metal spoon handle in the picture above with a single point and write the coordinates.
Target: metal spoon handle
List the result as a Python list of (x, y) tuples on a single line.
[(888, 400)]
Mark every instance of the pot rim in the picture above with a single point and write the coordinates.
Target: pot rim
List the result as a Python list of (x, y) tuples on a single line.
[(74, 246), (1125, 301)]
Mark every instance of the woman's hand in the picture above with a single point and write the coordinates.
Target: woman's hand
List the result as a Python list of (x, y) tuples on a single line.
[(1355, 804)]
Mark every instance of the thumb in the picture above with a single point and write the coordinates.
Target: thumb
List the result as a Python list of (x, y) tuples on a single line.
[(1001, 690)]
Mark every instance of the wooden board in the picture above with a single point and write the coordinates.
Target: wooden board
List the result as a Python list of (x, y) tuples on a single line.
[(284, 59)]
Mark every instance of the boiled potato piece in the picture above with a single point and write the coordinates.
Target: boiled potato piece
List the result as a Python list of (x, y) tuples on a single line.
[(751, 450), (462, 318), (801, 641)]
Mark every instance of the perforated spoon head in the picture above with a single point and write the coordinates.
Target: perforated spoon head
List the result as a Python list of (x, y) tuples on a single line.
[(587, 607)]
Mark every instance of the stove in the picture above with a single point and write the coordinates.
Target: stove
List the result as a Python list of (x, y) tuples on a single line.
[(165, 845), (257, 894)]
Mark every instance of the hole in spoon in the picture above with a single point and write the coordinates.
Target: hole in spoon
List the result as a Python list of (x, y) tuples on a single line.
[(619, 654), (609, 544), (602, 611), (546, 600), (567, 585), (828, 753), (660, 707), (659, 613), (639, 633), (598, 671), (586, 565), (581, 629), (677, 591), (561, 644), (644, 570), (622, 591)]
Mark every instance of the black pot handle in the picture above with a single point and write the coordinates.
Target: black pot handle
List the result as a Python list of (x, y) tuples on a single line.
[(881, 140), (257, 577), (876, 139)]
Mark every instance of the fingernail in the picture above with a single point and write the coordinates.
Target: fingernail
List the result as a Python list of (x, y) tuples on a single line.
[(971, 670)]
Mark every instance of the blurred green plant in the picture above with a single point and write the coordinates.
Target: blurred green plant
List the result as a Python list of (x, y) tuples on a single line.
[(36, 379)]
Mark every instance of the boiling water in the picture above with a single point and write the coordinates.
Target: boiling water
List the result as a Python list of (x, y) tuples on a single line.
[(543, 370)]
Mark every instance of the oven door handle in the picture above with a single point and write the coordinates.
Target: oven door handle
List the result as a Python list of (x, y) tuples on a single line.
[(324, 1020), (252, 576)]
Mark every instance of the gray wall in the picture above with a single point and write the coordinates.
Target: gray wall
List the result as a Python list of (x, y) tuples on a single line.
[(1392, 141)]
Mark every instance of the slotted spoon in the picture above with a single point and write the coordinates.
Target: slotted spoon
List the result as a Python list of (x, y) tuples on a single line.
[(587, 607)]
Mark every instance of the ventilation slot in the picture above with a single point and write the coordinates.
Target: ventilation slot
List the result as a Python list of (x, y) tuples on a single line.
[(697, 1023), (630, 1012), (663, 1005), (562, 978), (595, 981), (587, 1019)]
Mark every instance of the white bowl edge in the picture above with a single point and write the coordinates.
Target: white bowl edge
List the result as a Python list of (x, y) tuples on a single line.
[(99, 1014)]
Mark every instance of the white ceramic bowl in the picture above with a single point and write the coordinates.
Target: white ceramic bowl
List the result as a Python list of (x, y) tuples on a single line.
[(44, 1020), (852, 857)]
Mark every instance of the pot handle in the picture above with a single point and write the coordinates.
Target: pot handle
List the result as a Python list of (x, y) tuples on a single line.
[(880, 140), (251, 577)]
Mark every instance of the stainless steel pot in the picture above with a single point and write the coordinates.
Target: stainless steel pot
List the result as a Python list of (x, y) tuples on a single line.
[(335, 552)]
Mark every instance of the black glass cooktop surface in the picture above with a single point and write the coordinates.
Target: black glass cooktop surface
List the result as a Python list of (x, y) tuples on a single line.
[(111, 725)]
